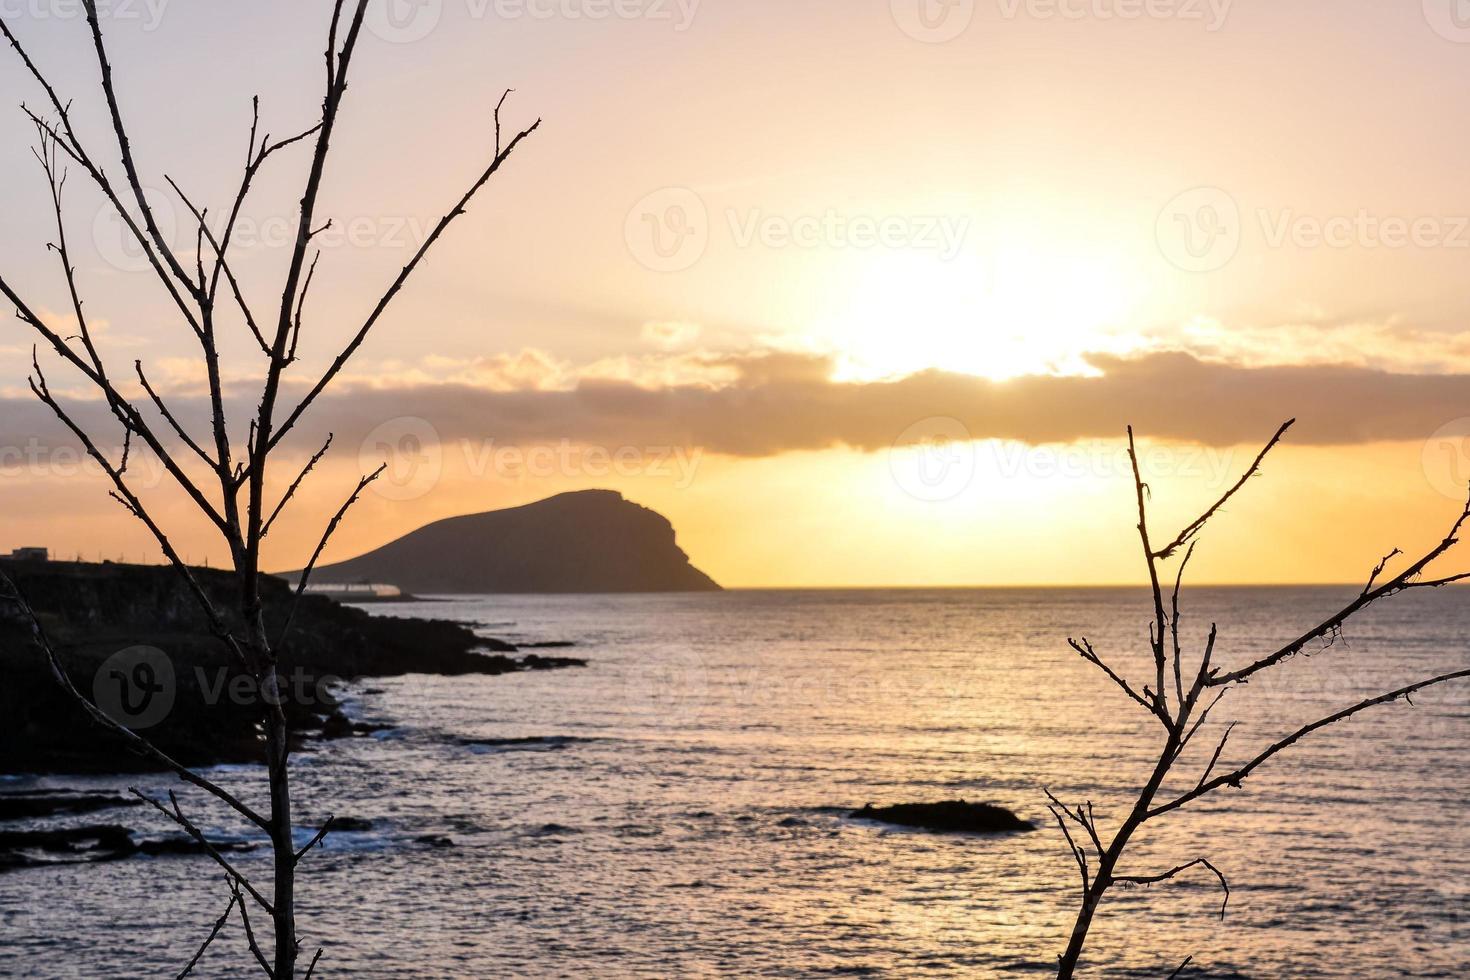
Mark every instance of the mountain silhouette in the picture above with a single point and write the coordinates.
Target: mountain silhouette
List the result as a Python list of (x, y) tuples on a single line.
[(588, 541)]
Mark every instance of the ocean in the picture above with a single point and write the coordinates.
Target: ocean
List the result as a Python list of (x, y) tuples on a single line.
[(678, 808)]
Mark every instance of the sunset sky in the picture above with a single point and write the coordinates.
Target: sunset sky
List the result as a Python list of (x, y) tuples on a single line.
[(757, 245)]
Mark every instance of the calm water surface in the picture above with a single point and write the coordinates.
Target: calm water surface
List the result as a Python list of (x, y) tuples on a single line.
[(683, 815)]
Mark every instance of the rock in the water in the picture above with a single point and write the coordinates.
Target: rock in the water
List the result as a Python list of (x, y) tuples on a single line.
[(950, 815), (93, 843), (45, 803)]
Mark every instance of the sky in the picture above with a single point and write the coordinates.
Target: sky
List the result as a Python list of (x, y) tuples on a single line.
[(857, 294)]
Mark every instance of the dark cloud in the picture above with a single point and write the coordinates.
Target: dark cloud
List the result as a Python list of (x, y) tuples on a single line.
[(784, 403)]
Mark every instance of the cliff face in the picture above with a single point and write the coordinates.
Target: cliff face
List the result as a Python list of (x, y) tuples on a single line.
[(591, 541)]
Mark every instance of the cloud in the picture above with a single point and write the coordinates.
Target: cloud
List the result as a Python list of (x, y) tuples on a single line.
[(771, 403)]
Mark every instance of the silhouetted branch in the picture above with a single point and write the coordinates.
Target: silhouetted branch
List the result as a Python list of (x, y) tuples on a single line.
[(1189, 532), (316, 555), (1234, 778), (218, 925), (1405, 580), (126, 148), (1084, 648), (295, 485), (1174, 873), (387, 299), (250, 931), (177, 816), (1188, 719), (242, 525), (316, 839), (173, 422), (1156, 631)]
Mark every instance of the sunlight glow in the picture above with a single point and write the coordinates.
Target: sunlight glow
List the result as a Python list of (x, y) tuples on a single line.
[(1017, 312)]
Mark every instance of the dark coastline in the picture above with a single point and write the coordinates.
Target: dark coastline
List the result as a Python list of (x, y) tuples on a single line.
[(93, 612)]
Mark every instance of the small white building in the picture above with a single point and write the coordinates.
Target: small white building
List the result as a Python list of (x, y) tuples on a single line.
[(30, 554)]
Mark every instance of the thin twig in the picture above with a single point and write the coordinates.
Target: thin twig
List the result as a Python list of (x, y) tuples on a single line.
[(218, 925)]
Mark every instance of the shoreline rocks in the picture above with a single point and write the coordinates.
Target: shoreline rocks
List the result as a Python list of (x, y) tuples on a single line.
[(96, 614)]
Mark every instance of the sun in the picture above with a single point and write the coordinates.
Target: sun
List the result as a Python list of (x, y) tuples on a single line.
[(1003, 315)]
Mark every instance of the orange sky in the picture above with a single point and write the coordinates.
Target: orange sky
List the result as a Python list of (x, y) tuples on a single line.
[(756, 246)]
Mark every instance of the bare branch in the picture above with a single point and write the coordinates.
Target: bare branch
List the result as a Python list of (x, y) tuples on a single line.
[(126, 495), (177, 816), (322, 544), (1405, 580), (317, 839), (347, 353), (1216, 757), (1084, 648), (1174, 627), (173, 422), (125, 146), (295, 484), (250, 932), (1193, 529), (218, 925), (1077, 853), (1235, 777), (1156, 632), (1175, 872)]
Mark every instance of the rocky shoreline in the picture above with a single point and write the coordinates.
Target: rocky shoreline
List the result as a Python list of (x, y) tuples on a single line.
[(116, 624)]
